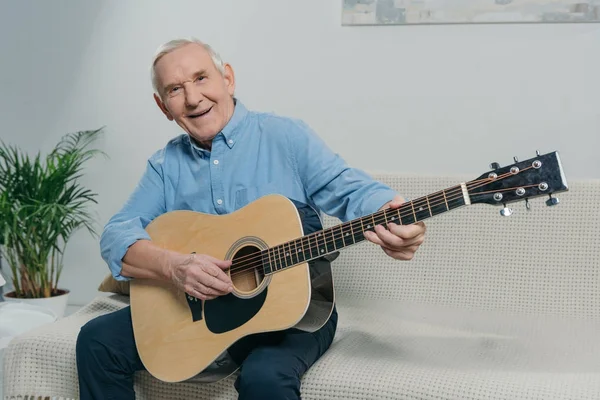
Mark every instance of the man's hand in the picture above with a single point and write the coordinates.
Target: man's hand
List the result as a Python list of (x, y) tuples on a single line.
[(400, 241), (201, 276)]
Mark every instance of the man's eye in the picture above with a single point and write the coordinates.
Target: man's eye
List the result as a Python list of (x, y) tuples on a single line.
[(199, 78)]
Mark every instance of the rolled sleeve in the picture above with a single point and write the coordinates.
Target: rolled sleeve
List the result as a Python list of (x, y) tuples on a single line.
[(128, 225)]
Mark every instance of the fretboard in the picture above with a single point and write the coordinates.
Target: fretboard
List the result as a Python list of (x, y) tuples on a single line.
[(330, 240)]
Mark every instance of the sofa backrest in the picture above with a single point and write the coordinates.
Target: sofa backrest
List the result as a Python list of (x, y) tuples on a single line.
[(546, 260)]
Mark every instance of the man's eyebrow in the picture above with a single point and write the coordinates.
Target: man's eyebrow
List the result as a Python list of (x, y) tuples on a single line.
[(195, 75)]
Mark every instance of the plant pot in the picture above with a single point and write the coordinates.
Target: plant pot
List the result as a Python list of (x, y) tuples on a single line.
[(56, 304)]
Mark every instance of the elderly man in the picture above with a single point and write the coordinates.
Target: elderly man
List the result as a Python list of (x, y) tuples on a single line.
[(227, 157)]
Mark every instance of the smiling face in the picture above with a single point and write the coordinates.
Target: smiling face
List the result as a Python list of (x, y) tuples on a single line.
[(194, 93)]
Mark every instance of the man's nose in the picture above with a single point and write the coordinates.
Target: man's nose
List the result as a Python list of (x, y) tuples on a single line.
[(193, 96)]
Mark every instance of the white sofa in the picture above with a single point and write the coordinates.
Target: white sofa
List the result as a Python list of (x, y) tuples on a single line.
[(490, 308)]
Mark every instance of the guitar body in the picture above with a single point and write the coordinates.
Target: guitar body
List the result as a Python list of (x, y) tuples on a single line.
[(182, 338)]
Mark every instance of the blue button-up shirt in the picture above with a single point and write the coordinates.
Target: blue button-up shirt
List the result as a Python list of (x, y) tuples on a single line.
[(254, 155)]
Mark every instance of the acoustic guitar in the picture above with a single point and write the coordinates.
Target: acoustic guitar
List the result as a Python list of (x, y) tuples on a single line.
[(281, 267)]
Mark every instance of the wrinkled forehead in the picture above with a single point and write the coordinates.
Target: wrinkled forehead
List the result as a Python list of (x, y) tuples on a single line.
[(182, 63)]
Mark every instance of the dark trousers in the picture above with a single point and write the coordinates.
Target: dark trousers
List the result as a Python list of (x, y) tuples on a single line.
[(272, 363)]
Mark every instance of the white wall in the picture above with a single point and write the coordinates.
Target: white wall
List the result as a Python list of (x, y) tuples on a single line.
[(428, 99)]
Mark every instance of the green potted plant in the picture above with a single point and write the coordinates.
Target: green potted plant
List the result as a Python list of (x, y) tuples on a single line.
[(41, 205)]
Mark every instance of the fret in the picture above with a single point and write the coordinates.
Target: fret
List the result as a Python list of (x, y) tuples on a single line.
[(310, 247), (360, 235), (321, 250), (385, 217), (333, 239), (412, 205), (271, 262), (339, 242), (439, 204), (288, 255), (284, 262), (421, 211), (397, 219), (407, 217), (317, 245), (445, 200), (275, 259), (281, 254), (428, 206), (296, 252), (343, 238), (266, 262), (304, 255), (292, 253)]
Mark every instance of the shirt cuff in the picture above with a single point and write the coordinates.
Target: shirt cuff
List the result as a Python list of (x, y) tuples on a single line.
[(377, 200), (118, 251)]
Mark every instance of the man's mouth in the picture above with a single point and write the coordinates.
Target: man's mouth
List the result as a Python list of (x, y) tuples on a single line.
[(200, 114)]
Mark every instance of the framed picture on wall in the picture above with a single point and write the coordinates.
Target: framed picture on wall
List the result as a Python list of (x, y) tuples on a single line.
[(411, 12)]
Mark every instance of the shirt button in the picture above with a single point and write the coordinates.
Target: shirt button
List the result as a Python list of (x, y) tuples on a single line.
[(216, 162), (230, 141), (219, 201)]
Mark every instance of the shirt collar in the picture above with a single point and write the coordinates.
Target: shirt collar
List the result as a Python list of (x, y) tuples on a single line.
[(231, 131)]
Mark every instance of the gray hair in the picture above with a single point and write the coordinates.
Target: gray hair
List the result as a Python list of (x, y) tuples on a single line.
[(175, 44)]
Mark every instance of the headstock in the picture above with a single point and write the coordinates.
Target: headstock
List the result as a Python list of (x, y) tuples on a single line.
[(539, 176)]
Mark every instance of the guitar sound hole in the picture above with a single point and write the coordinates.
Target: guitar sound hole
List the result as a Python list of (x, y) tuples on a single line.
[(247, 271)]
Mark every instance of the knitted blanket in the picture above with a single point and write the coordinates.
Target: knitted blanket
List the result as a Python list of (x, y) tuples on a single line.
[(382, 350)]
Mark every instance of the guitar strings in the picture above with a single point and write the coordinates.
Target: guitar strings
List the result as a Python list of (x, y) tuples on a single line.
[(380, 217), (417, 202), (318, 238), (256, 262), (359, 224), (258, 266)]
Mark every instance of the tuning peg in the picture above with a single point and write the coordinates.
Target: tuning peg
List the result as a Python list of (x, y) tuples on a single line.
[(506, 212), (527, 205), (552, 201), (494, 165), (537, 153), (516, 159)]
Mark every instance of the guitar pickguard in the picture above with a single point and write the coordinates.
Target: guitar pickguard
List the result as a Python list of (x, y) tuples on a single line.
[(220, 319)]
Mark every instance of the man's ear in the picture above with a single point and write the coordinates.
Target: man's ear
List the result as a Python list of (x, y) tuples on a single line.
[(162, 107), (229, 77)]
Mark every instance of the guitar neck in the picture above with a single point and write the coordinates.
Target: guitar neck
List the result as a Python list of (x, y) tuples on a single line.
[(330, 240)]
